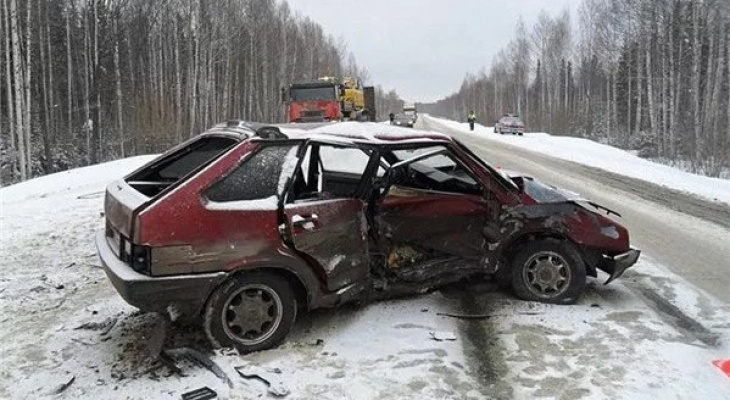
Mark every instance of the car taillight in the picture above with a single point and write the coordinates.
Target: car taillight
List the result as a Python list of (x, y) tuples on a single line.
[(137, 256), (140, 259)]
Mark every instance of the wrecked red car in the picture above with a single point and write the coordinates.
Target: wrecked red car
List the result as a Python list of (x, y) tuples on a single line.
[(243, 226)]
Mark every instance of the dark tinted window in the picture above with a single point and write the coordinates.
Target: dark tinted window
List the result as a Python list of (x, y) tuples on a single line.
[(256, 178), (186, 159), (315, 93)]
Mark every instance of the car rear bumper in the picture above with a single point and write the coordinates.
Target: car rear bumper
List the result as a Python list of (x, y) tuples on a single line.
[(616, 266), (180, 295)]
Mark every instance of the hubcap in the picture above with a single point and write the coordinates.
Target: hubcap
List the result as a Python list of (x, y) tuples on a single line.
[(546, 274), (252, 314)]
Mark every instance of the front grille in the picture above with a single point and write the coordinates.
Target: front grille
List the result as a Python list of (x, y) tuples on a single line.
[(312, 113)]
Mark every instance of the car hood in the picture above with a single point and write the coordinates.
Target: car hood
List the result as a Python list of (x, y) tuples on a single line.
[(544, 193)]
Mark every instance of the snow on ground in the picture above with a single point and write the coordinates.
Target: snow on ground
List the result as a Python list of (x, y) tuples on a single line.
[(649, 335), (60, 318), (588, 152)]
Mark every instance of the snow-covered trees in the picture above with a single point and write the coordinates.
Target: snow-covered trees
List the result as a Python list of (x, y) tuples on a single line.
[(653, 74), (85, 81)]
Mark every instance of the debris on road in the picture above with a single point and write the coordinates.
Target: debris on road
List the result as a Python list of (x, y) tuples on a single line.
[(204, 393), (197, 358), (442, 336), (484, 316), (266, 375), (104, 326), (60, 389)]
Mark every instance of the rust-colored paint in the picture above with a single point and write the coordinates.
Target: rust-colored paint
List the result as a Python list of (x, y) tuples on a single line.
[(445, 223), (325, 243), (334, 233)]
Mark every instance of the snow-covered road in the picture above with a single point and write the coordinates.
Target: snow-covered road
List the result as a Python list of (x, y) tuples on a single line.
[(652, 334), (61, 319)]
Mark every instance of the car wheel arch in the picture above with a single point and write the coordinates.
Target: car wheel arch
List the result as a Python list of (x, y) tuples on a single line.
[(512, 248), (303, 295)]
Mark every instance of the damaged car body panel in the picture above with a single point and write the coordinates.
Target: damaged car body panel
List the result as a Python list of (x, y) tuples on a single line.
[(246, 221)]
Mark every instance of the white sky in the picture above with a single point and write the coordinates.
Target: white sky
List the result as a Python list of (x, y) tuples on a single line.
[(423, 49)]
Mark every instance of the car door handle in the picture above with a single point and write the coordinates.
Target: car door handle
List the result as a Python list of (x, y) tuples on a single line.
[(304, 221)]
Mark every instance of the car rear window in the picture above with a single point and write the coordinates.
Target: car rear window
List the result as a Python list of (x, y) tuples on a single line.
[(511, 120), (171, 168), (257, 177)]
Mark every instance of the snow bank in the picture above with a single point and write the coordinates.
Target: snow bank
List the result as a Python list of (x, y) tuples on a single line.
[(588, 152), (85, 179)]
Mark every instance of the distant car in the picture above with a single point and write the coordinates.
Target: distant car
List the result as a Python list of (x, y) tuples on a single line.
[(404, 120), (242, 227), (510, 124)]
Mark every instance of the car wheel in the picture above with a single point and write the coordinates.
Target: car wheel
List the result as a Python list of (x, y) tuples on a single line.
[(519, 134), (251, 312), (549, 271)]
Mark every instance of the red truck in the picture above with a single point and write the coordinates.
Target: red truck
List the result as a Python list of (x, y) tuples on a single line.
[(328, 100)]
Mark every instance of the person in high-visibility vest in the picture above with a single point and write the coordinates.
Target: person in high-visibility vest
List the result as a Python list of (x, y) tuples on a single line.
[(471, 119)]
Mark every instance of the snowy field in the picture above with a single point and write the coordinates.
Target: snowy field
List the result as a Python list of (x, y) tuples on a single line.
[(65, 333), (594, 154)]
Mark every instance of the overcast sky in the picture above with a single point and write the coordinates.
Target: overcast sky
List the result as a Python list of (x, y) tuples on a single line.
[(423, 48)]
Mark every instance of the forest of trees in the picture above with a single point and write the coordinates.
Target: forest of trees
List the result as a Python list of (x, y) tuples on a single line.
[(648, 75), (86, 81)]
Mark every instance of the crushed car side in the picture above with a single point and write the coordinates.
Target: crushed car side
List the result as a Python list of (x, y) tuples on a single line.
[(252, 229)]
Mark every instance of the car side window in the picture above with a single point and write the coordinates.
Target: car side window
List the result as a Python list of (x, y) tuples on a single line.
[(329, 171), (257, 177)]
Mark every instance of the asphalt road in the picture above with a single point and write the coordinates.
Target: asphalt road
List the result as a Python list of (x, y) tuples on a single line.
[(688, 235)]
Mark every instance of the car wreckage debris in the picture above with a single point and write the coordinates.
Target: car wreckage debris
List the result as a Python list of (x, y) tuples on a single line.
[(198, 358), (204, 393), (484, 316), (266, 375), (104, 326), (442, 336), (60, 389)]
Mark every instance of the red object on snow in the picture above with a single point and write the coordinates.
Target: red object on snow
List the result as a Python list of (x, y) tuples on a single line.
[(724, 366)]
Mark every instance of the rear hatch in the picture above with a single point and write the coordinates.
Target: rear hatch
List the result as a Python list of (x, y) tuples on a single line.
[(126, 197)]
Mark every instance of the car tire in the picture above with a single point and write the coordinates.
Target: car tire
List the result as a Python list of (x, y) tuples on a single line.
[(548, 271), (519, 134), (268, 303)]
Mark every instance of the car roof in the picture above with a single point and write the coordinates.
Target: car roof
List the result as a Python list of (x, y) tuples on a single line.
[(342, 132)]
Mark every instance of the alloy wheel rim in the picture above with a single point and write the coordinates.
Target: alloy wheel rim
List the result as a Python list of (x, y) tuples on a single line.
[(252, 314), (547, 274)]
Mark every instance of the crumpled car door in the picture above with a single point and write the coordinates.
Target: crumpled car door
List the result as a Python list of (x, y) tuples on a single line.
[(334, 233)]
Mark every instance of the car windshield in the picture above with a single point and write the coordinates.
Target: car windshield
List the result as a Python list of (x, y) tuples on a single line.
[(313, 93), (403, 117)]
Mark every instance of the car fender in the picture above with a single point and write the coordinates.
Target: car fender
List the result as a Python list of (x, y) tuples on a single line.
[(289, 264)]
